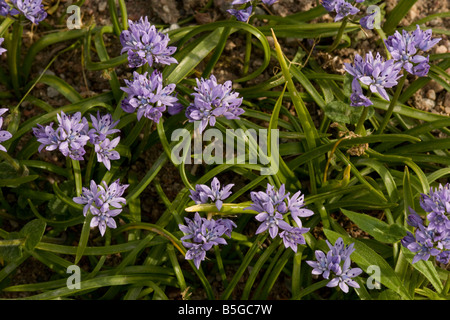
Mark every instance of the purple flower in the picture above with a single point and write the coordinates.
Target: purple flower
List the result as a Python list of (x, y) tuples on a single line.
[(33, 10), (112, 195), (382, 74), (147, 96), (72, 134), (438, 200), (2, 50), (89, 197), (443, 257), (4, 135), (368, 22), (344, 277), (341, 7), (196, 252), (240, 2), (47, 136), (324, 264), (269, 2), (270, 220), (405, 48), (271, 205), (105, 151), (203, 194), (373, 72), (144, 44), (295, 206), (204, 234), (293, 236), (5, 9), (213, 100), (357, 97), (330, 264), (422, 245), (104, 218), (241, 15), (102, 127), (433, 238), (104, 203)]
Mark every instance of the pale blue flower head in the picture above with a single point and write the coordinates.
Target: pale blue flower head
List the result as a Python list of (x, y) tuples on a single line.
[(212, 100), (147, 96), (204, 194), (242, 14), (336, 263), (405, 50), (144, 44)]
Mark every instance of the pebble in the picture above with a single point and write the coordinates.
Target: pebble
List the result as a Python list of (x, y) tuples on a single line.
[(447, 101), (52, 92), (441, 49), (431, 94), (102, 6), (428, 104)]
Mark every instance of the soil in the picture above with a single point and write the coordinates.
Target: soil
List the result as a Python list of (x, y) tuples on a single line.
[(170, 13)]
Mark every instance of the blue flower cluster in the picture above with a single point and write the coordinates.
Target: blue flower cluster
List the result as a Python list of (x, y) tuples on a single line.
[(212, 100), (104, 202), (33, 10), (204, 194), (336, 263), (379, 74), (405, 49), (432, 239), (73, 133), (272, 205), (148, 97), (245, 13), (144, 44), (204, 234)]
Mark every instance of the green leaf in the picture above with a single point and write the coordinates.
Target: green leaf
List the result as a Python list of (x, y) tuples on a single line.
[(342, 112), (380, 230), (426, 268), (10, 248), (365, 257), (33, 232)]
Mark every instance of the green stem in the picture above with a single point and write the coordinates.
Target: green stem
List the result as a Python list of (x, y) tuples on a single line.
[(90, 164), (220, 266), (360, 126), (339, 35), (14, 56), (77, 177), (5, 25), (394, 100), (311, 289)]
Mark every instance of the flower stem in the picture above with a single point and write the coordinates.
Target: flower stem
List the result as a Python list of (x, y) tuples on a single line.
[(339, 35), (360, 126), (390, 110), (220, 266), (311, 289)]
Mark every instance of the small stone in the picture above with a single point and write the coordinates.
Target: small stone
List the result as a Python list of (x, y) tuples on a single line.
[(428, 104), (441, 49), (447, 101), (102, 6), (52, 92), (431, 94)]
